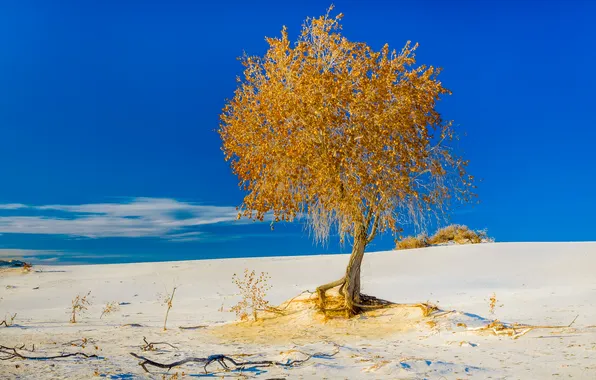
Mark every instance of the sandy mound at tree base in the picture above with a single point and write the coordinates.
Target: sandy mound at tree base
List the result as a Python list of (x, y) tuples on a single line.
[(299, 321)]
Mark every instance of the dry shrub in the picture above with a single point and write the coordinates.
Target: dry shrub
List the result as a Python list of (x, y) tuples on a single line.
[(453, 234), (458, 234), (412, 242), (253, 291), (79, 306), (427, 309), (169, 302), (109, 308)]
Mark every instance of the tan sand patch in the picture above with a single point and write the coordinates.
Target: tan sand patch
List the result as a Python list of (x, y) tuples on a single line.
[(302, 323)]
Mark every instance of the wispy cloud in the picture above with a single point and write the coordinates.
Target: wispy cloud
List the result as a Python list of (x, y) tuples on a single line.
[(139, 217), (12, 206)]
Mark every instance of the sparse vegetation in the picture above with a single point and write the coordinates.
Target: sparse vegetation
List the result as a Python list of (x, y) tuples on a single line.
[(452, 234), (492, 304), (109, 308), (79, 306), (169, 303), (253, 291)]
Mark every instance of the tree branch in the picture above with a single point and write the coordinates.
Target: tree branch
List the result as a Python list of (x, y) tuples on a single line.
[(373, 232)]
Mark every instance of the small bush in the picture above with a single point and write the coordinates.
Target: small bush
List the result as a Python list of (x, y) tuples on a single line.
[(79, 306), (459, 234), (412, 242), (253, 290), (109, 309), (453, 234)]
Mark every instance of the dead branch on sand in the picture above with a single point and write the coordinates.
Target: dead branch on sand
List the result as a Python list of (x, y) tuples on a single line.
[(83, 342), (192, 327), (8, 353), (228, 363), (8, 323), (150, 346)]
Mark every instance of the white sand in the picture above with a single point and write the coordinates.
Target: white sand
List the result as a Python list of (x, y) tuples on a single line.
[(534, 283)]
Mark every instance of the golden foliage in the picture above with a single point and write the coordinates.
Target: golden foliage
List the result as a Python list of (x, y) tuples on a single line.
[(412, 242), (459, 234), (349, 136), (253, 291), (454, 233)]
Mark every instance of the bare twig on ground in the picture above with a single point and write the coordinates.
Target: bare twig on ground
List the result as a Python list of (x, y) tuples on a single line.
[(192, 327), (150, 346), (133, 325), (229, 363), (83, 342), (8, 353), (8, 323)]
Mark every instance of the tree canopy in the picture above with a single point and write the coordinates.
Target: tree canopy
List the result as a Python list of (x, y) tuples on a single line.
[(332, 129)]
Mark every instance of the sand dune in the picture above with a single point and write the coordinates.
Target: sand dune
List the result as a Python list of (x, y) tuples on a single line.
[(536, 284)]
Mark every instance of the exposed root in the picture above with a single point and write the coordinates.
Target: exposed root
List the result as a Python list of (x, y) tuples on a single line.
[(321, 290), (349, 308), (371, 302)]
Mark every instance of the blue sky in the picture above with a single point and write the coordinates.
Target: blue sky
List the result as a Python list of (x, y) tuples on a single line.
[(108, 112)]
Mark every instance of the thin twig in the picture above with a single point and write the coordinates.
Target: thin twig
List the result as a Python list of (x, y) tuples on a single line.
[(8, 324), (192, 327), (150, 346)]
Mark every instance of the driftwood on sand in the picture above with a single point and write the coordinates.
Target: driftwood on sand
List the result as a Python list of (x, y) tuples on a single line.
[(229, 363), (8, 353)]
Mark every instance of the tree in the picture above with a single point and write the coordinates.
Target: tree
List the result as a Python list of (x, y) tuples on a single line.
[(347, 137)]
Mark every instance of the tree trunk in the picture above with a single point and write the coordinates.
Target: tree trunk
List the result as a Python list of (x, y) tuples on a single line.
[(351, 286)]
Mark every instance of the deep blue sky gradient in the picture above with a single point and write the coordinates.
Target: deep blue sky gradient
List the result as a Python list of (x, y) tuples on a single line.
[(101, 100)]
